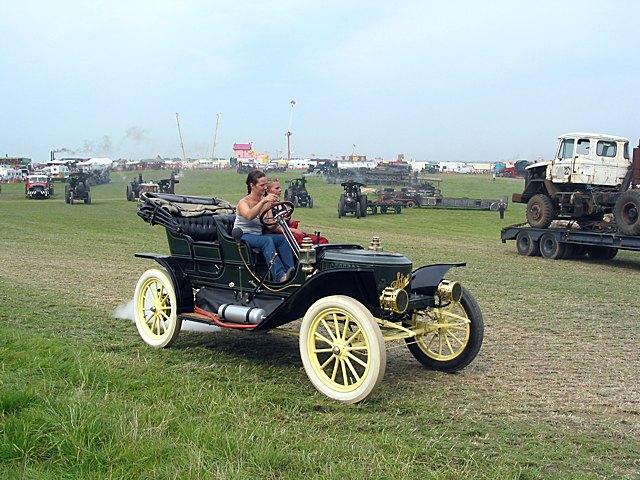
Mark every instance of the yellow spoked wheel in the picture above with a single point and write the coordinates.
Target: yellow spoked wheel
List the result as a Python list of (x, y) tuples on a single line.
[(155, 308), (452, 335), (342, 348)]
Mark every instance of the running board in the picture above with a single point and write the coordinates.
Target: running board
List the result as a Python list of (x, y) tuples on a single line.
[(196, 317)]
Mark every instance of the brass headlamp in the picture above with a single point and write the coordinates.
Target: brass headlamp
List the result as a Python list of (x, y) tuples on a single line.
[(449, 291), (395, 297)]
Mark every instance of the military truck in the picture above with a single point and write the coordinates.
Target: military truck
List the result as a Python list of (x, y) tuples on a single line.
[(590, 176)]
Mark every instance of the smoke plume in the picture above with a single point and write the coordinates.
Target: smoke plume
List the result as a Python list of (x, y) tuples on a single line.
[(125, 311)]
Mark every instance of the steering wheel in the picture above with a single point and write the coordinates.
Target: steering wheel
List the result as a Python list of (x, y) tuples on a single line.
[(280, 210)]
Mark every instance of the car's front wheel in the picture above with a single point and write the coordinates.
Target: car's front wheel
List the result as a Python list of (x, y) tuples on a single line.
[(155, 308), (451, 336), (342, 348)]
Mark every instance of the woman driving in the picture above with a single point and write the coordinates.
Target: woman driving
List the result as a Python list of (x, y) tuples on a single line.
[(248, 219)]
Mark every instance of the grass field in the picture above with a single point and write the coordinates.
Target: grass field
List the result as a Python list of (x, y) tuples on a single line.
[(554, 392)]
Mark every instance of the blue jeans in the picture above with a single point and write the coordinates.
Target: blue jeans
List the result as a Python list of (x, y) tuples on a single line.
[(270, 244)]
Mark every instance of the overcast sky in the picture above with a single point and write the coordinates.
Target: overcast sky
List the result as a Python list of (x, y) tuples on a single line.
[(464, 81)]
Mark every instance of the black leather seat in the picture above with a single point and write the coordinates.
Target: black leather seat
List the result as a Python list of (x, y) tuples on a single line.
[(200, 229), (204, 229), (226, 221)]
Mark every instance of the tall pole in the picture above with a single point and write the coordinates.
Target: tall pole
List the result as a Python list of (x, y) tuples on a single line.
[(288, 134), (215, 136), (184, 155)]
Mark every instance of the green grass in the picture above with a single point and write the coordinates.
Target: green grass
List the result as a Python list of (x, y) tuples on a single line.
[(553, 393)]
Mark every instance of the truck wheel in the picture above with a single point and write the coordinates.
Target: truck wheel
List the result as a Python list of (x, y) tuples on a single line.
[(601, 253), (526, 245), (411, 204), (540, 211), (341, 207), (550, 247), (627, 212), (342, 348), (155, 308), (452, 346)]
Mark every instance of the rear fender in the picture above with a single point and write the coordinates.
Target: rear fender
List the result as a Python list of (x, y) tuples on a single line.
[(425, 280), (181, 281)]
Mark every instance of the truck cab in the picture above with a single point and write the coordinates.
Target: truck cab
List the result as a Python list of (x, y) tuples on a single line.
[(589, 158)]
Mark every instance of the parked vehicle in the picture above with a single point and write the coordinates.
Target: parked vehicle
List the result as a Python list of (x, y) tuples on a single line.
[(297, 194), (351, 300), (591, 175), (568, 242), (352, 200), (38, 186)]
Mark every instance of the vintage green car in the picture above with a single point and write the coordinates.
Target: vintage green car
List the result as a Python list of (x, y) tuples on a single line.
[(352, 300)]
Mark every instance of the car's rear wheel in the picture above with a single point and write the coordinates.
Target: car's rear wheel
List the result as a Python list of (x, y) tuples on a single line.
[(342, 348), (155, 308), (452, 334)]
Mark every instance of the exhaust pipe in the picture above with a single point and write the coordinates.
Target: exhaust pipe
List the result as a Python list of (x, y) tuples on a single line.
[(240, 314)]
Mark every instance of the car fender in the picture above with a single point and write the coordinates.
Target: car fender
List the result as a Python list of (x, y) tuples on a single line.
[(359, 284), (425, 280), (181, 281)]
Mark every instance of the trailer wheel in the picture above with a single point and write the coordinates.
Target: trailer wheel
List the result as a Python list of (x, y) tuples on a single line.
[(601, 253), (526, 245), (540, 211), (627, 212), (550, 247)]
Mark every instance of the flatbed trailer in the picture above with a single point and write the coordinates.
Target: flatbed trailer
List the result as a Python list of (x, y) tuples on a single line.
[(384, 206), (562, 243)]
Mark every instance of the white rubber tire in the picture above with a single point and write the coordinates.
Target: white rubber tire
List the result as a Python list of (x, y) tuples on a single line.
[(371, 336), (156, 331)]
